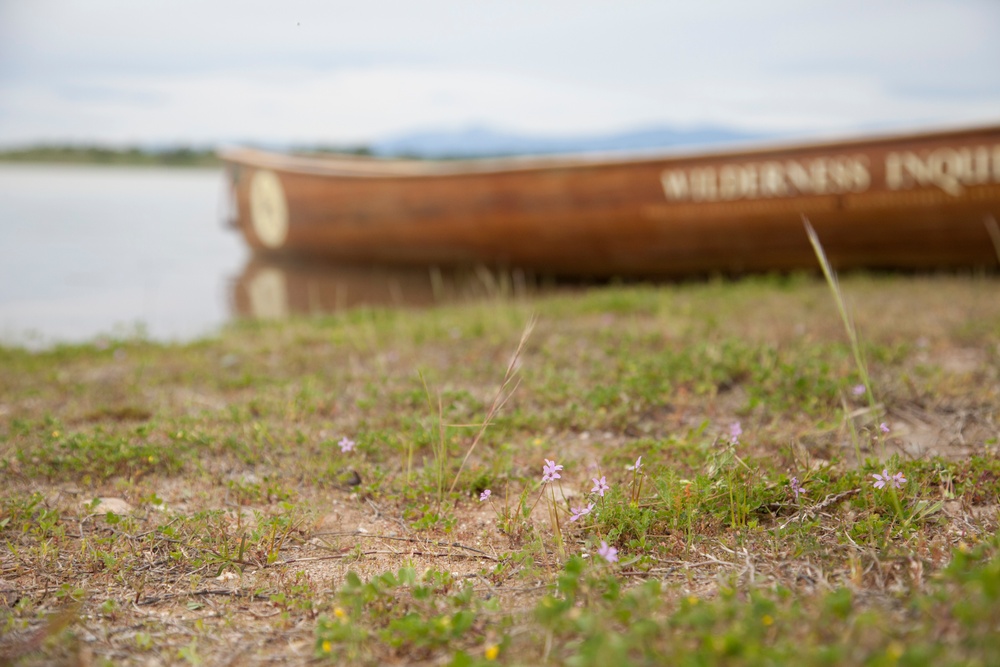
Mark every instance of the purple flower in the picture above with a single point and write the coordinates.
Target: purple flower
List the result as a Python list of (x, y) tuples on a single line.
[(883, 427), (600, 485), (858, 389), (885, 478), (796, 488), (637, 466), (485, 495), (609, 554), (346, 445), (735, 431), (581, 511), (550, 471)]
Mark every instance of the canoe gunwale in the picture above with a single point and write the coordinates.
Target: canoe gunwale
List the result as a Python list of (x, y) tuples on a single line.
[(357, 166)]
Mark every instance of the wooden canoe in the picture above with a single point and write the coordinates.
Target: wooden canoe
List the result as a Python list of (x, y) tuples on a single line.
[(915, 201)]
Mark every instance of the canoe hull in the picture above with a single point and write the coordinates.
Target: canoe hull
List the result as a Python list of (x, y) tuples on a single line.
[(903, 202)]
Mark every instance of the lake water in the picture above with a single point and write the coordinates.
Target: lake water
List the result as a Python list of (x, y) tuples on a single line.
[(87, 251), (90, 251)]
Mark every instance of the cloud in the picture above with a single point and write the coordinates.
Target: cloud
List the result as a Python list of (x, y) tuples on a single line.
[(353, 105), (346, 72)]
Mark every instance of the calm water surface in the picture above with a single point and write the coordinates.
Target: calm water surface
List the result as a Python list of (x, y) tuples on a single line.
[(89, 251)]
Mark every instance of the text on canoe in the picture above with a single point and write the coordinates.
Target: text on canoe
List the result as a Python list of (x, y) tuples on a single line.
[(950, 169)]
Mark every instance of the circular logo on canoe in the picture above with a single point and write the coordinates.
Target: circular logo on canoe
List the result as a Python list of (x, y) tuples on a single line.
[(268, 209)]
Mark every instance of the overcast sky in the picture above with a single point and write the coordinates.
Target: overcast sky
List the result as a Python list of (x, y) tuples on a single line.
[(345, 72)]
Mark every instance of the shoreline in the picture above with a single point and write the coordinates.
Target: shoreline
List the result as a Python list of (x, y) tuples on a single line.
[(94, 155)]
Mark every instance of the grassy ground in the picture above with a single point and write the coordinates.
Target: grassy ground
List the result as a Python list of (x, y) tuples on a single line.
[(309, 491)]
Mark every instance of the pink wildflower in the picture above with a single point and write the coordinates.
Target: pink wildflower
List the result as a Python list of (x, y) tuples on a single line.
[(550, 471), (608, 553), (600, 485), (796, 488), (581, 511), (885, 478)]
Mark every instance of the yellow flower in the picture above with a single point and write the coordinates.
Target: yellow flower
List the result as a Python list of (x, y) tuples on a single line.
[(55, 434), (327, 646), (692, 600), (340, 614), (894, 651), (491, 651), (767, 620)]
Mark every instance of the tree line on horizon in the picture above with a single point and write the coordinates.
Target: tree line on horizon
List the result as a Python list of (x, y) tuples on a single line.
[(178, 156)]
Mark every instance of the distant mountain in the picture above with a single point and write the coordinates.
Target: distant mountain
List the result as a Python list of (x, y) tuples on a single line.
[(484, 142)]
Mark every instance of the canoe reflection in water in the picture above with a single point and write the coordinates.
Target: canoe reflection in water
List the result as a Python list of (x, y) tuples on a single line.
[(273, 288)]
